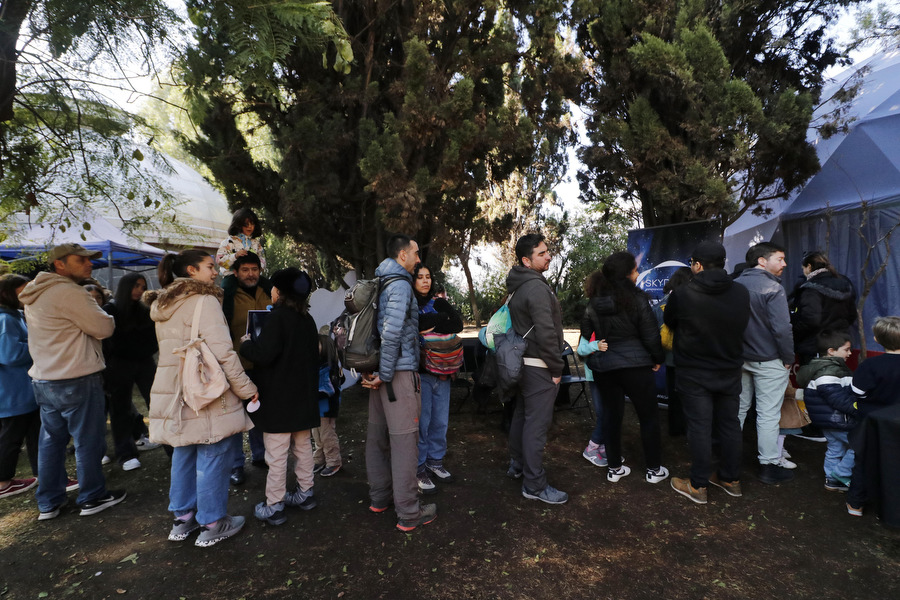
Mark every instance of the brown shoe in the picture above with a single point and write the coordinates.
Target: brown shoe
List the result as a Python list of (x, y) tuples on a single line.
[(732, 488), (684, 487)]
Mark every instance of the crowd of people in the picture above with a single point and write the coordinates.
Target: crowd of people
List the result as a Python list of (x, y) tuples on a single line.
[(729, 342)]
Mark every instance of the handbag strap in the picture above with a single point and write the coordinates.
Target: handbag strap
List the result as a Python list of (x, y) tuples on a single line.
[(195, 323)]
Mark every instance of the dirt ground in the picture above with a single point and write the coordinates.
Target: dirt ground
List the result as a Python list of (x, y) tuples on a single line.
[(628, 540)]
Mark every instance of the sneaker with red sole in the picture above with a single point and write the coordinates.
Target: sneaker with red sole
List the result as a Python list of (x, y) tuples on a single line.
[(380, 506), (72, 485), (17, 486), (329, 471), (427, 514)]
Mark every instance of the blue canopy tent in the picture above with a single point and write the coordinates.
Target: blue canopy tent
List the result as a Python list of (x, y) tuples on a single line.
[(119, 250)]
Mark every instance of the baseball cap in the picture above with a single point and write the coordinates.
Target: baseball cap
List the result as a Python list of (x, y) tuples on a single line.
[(64, 250), (709, 252)]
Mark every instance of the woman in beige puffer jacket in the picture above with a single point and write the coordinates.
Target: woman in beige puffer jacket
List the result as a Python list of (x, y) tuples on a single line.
[(198, 492)]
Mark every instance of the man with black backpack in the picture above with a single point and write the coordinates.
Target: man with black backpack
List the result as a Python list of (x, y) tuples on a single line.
[(394, 401), (535, 314)]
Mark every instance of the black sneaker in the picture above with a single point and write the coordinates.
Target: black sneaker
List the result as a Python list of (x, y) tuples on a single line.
[(811, 433), (774, 474), (318, 468), (92, 507), (238, 476)]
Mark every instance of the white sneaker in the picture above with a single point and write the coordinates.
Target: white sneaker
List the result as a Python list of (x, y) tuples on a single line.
[(131, 464), (105, 460), (144, 443), (656, 476), (784, 462), (614, 475)]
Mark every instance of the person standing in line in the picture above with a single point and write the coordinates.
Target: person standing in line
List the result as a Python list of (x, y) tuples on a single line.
[(394, 402), (20, 420), (66, 327), (595, 451), (768, 354), (708, 317), (535, 315), (202, 440), (436, 315)]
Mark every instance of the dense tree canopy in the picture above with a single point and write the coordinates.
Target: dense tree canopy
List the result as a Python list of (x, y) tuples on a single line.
[(61, 144), (442, 98), (699, 109)]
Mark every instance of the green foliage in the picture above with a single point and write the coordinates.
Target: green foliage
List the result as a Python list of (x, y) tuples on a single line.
[(877, 25), (489, 296), (699, 110)]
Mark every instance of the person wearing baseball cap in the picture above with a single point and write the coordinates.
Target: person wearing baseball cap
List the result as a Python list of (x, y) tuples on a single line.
[(65, 327), (708, 316)]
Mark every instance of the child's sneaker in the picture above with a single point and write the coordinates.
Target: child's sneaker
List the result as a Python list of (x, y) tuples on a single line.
[(595, 454), (656, 475), (438, 471), (614, 475), (425, 484), (833, 485), (853, 510), (329, 471), (182, 529), (318, 468), (224, 528), (300, 499), (273, 515), (787, 464)]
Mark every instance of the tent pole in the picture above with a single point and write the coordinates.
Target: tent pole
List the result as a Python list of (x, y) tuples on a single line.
[(109, 267)]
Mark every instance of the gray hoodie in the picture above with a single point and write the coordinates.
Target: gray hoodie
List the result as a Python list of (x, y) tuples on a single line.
[(535, 304), (65, 327), (768, 335)]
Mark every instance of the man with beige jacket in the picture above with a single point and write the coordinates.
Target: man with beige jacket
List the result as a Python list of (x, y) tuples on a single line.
[(65, 327)]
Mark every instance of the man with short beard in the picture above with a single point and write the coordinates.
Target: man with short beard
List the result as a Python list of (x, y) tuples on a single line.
[(252, 293), (65, 327)]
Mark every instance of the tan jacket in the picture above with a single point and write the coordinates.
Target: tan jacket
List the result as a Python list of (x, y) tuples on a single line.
[(171, 421), (65, 327), (243, 303)]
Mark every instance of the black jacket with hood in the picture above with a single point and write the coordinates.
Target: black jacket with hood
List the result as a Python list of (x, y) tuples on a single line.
[(632, 333), (708, 317), (823, 302)]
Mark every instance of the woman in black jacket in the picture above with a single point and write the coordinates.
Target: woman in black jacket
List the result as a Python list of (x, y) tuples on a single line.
[(285, 360), (824, 301), (620, 313), (129, 362)]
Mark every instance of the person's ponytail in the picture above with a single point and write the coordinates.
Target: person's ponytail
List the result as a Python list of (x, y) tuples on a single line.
[(175, 265)]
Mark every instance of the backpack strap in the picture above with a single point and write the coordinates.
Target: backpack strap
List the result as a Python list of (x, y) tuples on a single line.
[(195, 323)]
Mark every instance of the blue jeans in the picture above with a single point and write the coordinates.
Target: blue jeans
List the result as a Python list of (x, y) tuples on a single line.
[(597, 434), (434, 419), (200, 480), (767, 382), (839, 456), (73, 407)]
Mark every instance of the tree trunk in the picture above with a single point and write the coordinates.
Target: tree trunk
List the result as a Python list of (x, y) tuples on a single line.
[(476, 313), (11, 18)]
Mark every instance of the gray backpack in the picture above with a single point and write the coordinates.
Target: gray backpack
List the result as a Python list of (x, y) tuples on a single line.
[(356, 330), (510, 350)]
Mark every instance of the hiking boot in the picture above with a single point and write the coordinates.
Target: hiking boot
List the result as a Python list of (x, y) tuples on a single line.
[(329, 471), (72, 485), (318, 468), (438, 471), (732, 488), (833, 485), (182, 529), (17, 486), (785, 463), (143, 444), (656, 475), (273, 515), (427, 514), (237, 476), (379, 506), (515, 470), (46, 515), (596, 455), (224, 528), (300, 499), (774, 474), (425, 484), (614, 475), (853, 510), (131, 464), (684, 487), (549, 494), (92, 507)]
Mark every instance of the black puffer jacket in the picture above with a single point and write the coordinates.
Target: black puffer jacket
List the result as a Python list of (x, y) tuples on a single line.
[(822, 303), (632, 335)]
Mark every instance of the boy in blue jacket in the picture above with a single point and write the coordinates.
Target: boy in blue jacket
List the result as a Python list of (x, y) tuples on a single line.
[(830, 404)]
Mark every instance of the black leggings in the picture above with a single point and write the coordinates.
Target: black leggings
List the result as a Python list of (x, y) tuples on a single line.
[(638, 383), (13, 430)]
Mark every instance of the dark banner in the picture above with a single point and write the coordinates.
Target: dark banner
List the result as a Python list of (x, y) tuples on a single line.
[(660, 251)]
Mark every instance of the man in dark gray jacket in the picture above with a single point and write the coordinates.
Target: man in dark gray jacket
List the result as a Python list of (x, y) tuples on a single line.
[(768, 354), (535, 314), (392, 453)]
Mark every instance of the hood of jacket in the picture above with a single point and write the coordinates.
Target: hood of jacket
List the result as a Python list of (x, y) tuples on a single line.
[(836, 288), (604, 305), (389, 266), (819, 367), (712, 281), (519, 276), (44, 282), (163, 303)]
